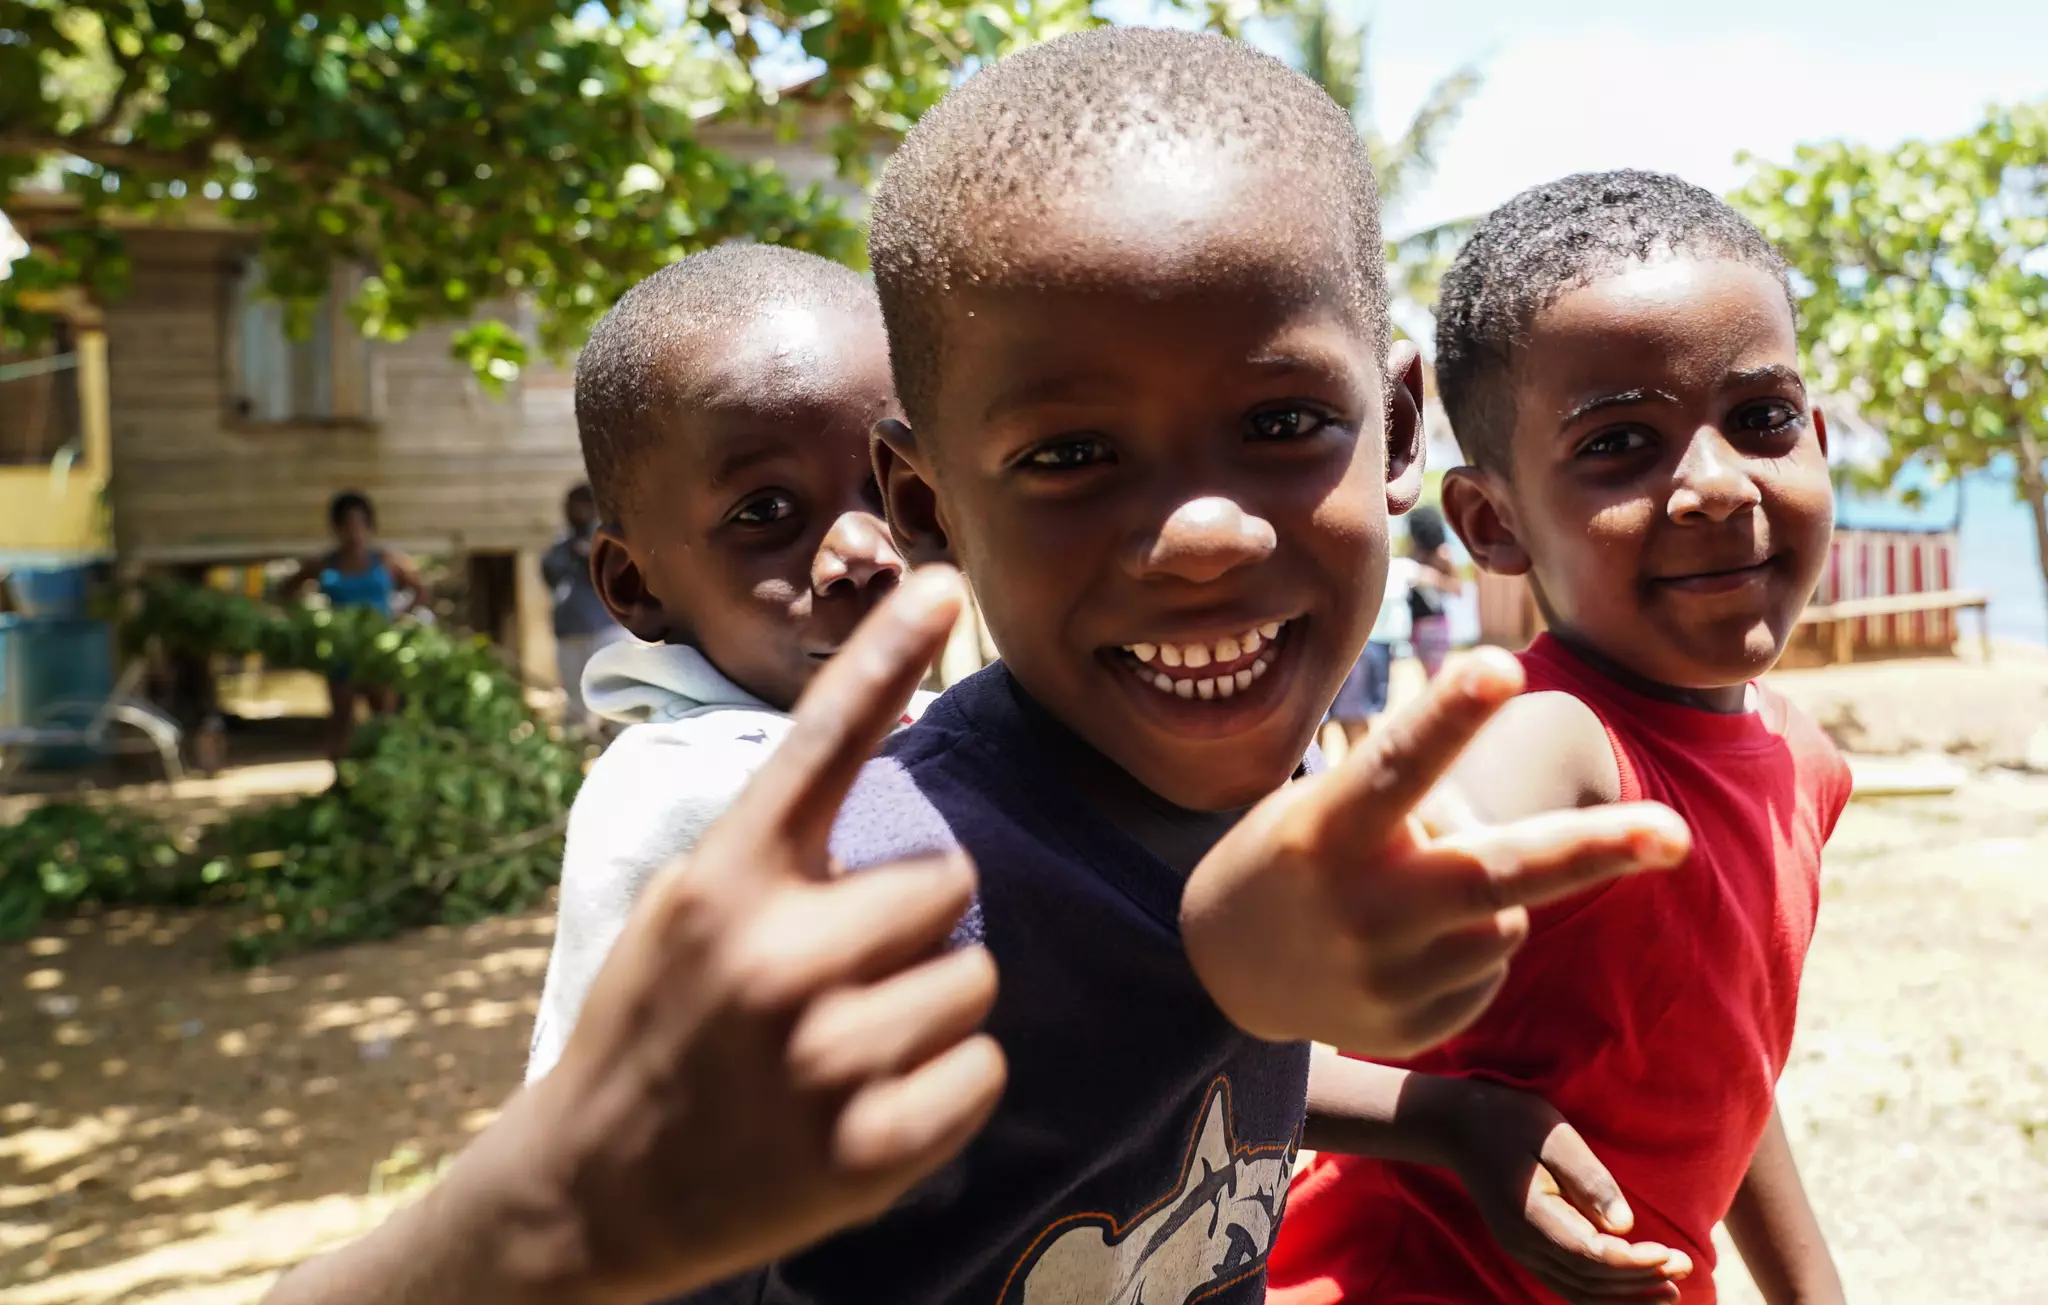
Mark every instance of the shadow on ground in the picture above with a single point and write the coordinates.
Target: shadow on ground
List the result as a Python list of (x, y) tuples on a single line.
[(150, 1094)]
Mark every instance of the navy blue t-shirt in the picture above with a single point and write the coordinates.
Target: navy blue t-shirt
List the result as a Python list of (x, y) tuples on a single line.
[(1142, 1151)]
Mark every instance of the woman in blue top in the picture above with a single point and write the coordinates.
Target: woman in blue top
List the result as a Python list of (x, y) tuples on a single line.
[(358, 573)]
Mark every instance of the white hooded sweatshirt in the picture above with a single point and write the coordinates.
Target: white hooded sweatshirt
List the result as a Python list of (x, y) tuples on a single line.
[(693, 740)]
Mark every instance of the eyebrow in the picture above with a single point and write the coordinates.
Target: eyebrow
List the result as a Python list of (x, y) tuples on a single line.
[(1773, 372), (1056, 389), (1623, 399), (734, 464)]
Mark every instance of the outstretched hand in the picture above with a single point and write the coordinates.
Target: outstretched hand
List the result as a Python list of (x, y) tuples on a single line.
[(1364, 908), (771, 1053)]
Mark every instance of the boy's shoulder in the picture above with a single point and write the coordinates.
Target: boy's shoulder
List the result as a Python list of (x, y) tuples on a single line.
[(952, 753)]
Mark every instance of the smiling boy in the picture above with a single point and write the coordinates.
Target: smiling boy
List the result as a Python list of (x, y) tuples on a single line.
[(1134, 290), (723, 404), (1618, 355)]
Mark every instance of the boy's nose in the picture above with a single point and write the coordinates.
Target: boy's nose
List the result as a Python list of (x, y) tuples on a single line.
[(1204, 539), (1712, 482), (853, 553)]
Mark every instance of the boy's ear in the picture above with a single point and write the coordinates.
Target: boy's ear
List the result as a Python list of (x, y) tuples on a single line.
[(908, 499), (621, 584), (1474, 505), (1404, 426)]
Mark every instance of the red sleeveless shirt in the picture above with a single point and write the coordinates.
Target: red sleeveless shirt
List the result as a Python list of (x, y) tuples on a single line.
[(1655, 1013)]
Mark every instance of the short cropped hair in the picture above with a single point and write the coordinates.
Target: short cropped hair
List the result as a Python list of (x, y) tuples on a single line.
[(1012, 142), (1426, 529), (1546, 242), (641, 360), (347, 501)]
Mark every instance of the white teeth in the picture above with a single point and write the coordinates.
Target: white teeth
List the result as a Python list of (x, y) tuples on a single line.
[(1184, 688), (1169, 655), (1244, 678), (1270, 629), (1258, 669), (1194, 656), (1144, 652), (1228, 650), (1252, 643), (1163, 683), (1226, 685), (1207, 688)]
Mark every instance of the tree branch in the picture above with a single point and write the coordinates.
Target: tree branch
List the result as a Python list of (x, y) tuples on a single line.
[(115, 154)]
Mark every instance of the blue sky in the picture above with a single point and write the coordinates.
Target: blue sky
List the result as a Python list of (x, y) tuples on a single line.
[(1685, 85)]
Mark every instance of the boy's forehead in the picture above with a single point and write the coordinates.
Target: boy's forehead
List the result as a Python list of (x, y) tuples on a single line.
[(1180, 216)]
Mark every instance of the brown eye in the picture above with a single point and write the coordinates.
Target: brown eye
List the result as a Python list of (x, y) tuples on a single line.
[(764, 509), (1282, 424), (1614, 443), (1069, 454), (1768, 418)]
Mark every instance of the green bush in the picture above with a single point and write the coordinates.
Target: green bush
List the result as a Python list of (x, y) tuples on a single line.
[(448, 811)]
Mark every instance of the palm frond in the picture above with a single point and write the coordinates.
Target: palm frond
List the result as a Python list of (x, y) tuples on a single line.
[(1406, 165)]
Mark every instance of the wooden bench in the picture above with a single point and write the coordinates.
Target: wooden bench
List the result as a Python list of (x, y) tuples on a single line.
[(1841, 615)]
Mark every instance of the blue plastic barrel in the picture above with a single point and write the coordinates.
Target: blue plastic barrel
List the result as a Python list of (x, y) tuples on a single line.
[(45, 662), (56, 591)]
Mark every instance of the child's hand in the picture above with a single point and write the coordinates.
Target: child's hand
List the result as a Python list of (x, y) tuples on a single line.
[(1341, 911), (770, 1053), (1548, 1200)]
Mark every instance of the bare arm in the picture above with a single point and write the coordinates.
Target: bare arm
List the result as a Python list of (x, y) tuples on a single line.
[(1358, 1108), (1542, 752), (461, 1243), (406, 577), (1773, 1225)]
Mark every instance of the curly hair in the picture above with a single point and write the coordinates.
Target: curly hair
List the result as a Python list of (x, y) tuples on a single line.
[(1546, 242)]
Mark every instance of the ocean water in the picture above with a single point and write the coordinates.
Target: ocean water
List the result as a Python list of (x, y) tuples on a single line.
[(1998, 552)]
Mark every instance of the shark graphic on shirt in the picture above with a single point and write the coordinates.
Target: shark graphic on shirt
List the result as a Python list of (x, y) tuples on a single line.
[(1212, 1231)]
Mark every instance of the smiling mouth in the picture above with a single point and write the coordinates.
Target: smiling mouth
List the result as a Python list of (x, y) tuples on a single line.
[(1209, 671), (1712, 582)]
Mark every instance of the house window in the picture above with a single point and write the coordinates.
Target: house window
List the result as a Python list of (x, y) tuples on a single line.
[(321, 374), (39, 406)]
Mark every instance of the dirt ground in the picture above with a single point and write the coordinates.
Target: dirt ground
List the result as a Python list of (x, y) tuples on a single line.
[(173, 1131)]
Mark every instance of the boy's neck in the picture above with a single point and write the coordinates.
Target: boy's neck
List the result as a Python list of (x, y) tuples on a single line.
[(1722, 700)]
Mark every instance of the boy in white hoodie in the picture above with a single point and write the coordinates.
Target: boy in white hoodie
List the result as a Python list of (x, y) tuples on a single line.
[(724, 406)]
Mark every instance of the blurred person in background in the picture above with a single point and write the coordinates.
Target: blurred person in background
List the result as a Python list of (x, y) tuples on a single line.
[(358, 573), (582, 625), (1363, 695), (1433, 582)]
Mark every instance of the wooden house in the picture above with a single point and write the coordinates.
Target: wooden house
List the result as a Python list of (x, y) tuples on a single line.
[(211, 436)]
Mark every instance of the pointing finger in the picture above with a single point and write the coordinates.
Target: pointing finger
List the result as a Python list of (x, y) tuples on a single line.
[(1388, 775), (853, 704), (1553, 855)]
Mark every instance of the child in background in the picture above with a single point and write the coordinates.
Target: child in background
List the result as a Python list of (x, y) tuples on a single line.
[(1135, 292), (724, 406), (1618, 358), (582, 625), (1363, 696), (358, 575), (1434, 583)]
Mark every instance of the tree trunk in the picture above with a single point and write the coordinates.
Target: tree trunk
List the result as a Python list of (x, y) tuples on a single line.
[(2035, 488)]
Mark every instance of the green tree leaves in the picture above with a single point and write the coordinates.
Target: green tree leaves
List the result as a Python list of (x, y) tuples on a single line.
[(1926, 278), (460, 152)]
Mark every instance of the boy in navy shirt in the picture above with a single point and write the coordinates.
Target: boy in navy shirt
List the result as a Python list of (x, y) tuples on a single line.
[(1136, 305)]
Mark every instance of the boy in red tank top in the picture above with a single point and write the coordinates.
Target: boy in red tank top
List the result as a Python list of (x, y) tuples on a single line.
[(1617, 355)]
